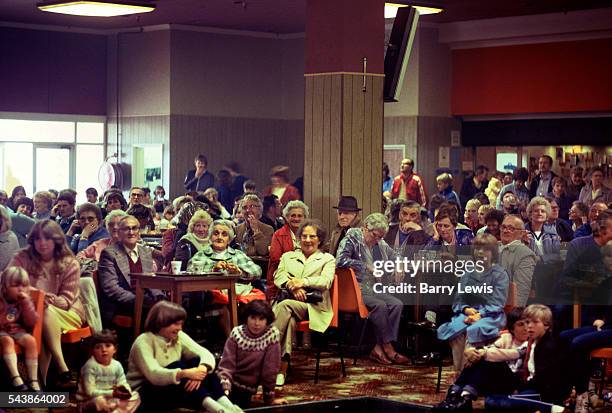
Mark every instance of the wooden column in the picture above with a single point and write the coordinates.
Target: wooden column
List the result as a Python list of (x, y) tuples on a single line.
[(343, 128)]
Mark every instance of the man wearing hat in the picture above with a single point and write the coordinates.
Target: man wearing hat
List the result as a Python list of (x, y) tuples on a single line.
[(348, 217)]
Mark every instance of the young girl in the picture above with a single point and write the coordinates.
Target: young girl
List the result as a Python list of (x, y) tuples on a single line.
[(103, 387), (251, 357), (171, 370), (17, 313)]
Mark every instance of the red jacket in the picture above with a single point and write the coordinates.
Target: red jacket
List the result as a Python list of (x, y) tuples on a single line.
[(291, 194), (415, 191), (280, 244)]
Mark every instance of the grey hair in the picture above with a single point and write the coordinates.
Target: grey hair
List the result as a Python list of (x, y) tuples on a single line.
[(5, 220), (252, 197), (225, 223), (113, 214), (295, 204), (376, 221), (537, 201)]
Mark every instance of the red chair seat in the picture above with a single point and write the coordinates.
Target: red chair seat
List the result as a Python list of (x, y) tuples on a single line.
[(122, 321), (76, 335)]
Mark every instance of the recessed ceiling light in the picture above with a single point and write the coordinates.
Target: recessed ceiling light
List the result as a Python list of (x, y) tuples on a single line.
[(97, 8), (422, 8)]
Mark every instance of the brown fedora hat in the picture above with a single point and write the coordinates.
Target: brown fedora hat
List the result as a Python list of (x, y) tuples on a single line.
[(348, 203)]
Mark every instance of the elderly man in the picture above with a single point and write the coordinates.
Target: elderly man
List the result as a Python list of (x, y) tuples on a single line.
[(117, 262), (64, 210), (348, 217), (541, 184), (137, 196), (252, 235), (587, 229), (516, 258), (409, 230), (408, 185)]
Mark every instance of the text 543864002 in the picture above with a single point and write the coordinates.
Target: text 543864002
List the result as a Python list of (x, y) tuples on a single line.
[(43, 399)]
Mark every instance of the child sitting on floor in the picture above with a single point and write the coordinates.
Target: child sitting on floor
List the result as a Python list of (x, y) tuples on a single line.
[(17, 313), (103, 386), (251, 357)]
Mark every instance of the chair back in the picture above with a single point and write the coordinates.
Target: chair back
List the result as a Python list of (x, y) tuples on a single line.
[(38, 298), (349, 299), (334, 301)]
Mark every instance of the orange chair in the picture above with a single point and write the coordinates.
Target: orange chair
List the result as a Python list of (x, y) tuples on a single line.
[(351, 301), (304, 326), (38, 297), (606, 368)]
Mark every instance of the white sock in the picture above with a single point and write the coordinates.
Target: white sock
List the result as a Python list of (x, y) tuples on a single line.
[(227, 403), (32, 367), (212, 406), (557, 409), (11, 363)]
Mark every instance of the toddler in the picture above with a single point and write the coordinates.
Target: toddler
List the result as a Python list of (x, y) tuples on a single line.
[(17, 313)]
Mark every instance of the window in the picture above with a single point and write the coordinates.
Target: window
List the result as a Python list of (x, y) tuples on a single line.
[(44, 152)]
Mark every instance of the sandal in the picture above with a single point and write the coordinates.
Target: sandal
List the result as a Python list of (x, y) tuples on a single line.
[(380, 358), (398, 358)]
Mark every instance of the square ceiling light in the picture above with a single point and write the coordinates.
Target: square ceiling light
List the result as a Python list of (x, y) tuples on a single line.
[(97, 8)]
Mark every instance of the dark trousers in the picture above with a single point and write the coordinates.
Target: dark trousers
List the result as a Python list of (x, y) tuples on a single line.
[(385, 313), (527, 401), (241, 397), (580, 342), (166, 398), (485, 378)]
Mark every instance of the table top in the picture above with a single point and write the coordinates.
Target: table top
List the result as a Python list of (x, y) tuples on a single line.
[(208, 276)]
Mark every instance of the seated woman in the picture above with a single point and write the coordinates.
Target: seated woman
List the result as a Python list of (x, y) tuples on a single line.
[(53, 268), (479, 316), (114, 200), (358, 250), (219, 256), (542, 238), (196, 238), (492, 369), (24, 205), (446, 234), (169, 369), (144, 215), (111, 222), (17, 193), (86, 228), (470, 215), (43, 202), (285, 239), (300, 272)]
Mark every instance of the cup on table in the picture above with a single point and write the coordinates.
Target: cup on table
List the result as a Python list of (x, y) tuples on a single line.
[(176, 267)]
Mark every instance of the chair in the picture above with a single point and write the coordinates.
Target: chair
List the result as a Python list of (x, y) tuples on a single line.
[(350, 301), (121, 321), (605, 354), (38, 297), (304, 326)]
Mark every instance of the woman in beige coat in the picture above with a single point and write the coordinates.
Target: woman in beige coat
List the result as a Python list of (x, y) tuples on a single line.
[(301, 272)]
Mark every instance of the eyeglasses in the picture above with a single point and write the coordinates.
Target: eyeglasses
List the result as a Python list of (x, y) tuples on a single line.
[(136, 195), (509, 228), (87, 219), (130, 229)]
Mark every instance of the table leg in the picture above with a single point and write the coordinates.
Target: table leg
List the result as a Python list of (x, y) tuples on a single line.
[(138, 308), (233, 305), (177, 295)]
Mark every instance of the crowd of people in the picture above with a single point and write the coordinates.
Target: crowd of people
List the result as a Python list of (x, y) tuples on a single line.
[(533, 234)]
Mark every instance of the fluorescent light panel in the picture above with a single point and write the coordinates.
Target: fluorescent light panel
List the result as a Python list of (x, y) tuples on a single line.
[(96, 8), (391, 9)]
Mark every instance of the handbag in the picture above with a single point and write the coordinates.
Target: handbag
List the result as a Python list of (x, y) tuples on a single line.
[(313, 296)]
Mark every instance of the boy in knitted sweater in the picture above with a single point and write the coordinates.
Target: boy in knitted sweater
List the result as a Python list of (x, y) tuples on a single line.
[(251, 357)]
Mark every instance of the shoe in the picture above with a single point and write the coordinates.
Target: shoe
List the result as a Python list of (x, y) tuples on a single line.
[(465, 404), (453, 397), (31, 388), (380, 358), (398, 358), (18, 387)]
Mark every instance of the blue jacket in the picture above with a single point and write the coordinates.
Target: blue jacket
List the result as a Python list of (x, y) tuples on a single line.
[(551, 242), (77, 244)]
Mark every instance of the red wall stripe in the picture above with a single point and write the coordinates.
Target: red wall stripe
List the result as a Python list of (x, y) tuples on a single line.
[(536, 78)]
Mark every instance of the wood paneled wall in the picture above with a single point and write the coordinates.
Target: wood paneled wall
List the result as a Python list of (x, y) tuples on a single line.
[(343, 143), (257, 144)]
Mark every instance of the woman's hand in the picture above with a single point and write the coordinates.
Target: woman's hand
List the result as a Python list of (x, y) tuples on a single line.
[(299, 294), (473, 355), (88, 230), (220, 266), (295, 284), (232, 268), (192, 385)]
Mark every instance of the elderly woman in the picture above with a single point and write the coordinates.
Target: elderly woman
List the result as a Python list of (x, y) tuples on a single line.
[(86, 228), (252, 235), (446, 232), (43, 202), (279, 178), (300, 272), (358, 250), (479, 316), (196, 238), (111, 222), (542, 237), (219, 256), (53, 268), (285, 239), (9, 244)]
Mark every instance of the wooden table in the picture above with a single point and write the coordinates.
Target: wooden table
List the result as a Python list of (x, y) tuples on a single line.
[(179, 284)]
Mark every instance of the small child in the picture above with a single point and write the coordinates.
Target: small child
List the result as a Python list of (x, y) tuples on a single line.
[(444, 183), (251, 357), (103, 386), (17, 313)]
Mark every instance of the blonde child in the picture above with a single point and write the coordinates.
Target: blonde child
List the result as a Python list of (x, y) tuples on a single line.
[(251, 357), (17, 313), (103, 386)]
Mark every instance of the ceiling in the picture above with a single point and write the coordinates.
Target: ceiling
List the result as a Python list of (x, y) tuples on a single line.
[(274, 16)]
